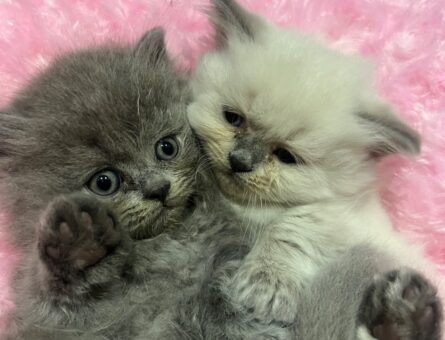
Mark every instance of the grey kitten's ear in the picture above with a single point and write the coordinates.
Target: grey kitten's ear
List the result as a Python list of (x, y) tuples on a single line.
[(388, 133), (232, 21), (152, 46)]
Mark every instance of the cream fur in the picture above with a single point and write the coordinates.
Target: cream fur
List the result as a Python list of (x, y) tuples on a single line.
[(296, 93)]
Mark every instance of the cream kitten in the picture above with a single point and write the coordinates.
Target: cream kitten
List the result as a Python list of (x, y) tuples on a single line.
[(292, 131)]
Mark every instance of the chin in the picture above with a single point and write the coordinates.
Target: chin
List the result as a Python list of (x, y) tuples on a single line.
[(251, 192), (234, 188)]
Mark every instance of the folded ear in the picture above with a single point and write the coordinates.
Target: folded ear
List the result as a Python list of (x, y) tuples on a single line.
[(151, 46), (232, 21), (388, 134)]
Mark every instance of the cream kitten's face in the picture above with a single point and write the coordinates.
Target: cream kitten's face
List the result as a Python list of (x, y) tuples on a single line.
[(285, 121)]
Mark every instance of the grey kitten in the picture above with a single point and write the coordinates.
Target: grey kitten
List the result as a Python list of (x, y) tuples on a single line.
[(292, 131), (94, 150), (99, 176)]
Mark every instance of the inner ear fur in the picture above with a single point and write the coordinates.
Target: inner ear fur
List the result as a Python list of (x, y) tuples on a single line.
[(388, 133)]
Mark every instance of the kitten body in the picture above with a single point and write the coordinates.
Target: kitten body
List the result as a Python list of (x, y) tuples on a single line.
[(292, 131)]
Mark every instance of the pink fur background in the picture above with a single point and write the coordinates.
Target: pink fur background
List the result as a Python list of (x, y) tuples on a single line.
[(405, 38)]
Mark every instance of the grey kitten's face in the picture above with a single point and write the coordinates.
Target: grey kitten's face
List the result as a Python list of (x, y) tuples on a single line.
[(285, 121), (108, 121)]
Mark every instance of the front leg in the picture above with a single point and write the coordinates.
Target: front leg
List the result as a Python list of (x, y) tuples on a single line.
[(273, 273), (284, 259), (266, 289)]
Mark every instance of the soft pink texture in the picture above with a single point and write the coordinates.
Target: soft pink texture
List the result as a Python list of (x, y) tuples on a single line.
[(405, 38)]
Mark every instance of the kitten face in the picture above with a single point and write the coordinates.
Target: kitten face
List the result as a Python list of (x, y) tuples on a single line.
[(284, 120), (109, 121)]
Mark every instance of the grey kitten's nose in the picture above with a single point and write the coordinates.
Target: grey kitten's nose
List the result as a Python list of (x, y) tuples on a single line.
[(157, 189), (241, 161)]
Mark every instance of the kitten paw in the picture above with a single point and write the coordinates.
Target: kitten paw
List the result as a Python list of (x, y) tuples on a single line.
[(402, 305), (265, 292), (76, 232)]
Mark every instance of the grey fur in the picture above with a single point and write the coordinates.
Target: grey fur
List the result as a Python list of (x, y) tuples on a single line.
[(90, 110), (331, 307), (334, 305), (390, 300)]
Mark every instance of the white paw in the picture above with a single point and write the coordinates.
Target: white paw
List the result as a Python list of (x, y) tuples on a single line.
[(265, 292)]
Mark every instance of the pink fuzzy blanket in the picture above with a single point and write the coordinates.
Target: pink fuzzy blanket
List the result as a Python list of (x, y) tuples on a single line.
[(405, 38)]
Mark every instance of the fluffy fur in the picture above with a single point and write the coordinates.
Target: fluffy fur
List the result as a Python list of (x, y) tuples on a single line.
[(98, 107), (292, 131), (404, 38)]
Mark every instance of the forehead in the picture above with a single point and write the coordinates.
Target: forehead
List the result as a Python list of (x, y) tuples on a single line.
[(292, 88), (105, 98)]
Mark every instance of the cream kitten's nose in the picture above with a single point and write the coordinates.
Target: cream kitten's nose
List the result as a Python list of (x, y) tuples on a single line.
[(241, 160)]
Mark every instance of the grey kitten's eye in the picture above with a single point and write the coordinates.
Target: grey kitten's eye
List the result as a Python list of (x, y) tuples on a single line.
[(286, 157), (167, 149), (105, 182), (233, 118)]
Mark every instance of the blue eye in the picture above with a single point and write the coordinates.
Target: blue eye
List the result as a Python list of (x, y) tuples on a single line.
[(166, 149), (104, 183)]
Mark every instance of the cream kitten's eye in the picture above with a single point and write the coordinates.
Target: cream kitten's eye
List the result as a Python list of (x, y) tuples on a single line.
[(105, 182), (286, 157), (167, 149), (233, 118)]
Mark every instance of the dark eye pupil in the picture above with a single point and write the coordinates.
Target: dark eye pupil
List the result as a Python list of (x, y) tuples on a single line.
[(233, 118), (285, 156), (167, 148), (103, 182)]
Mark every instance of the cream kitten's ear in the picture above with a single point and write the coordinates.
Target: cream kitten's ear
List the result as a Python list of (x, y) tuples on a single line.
[(232, 21), (388, 134), (151, 46)]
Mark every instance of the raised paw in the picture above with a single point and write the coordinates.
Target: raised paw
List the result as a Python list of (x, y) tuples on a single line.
[(76, 232), (402, 305), (265, 292)]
